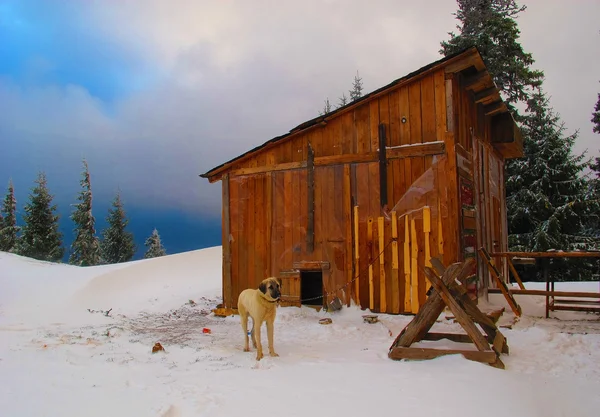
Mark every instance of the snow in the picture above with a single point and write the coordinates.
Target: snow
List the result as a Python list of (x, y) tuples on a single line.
[(57, 358)]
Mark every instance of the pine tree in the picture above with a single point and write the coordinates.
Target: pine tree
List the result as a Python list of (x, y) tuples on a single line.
[(343, 100), (357, 88), (85, 250), (596, 116), (326, 108), (117, 244), (154, 245), (8, 221), (490, 26), (40, 237), (546, 201)]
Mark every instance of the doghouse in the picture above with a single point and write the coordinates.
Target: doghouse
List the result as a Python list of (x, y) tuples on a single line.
[(352, 204)]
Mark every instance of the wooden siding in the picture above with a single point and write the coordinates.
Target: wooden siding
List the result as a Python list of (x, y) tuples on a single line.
[(437, 139)]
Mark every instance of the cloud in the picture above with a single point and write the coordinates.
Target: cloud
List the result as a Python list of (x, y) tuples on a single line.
[(195, 83)]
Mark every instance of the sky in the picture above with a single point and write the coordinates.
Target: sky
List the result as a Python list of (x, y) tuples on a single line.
[(153, 93)]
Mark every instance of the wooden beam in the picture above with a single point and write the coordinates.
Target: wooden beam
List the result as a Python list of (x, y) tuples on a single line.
[(267, 168), (345, 159), (472, 81), (310, 229), (311, 265), (575, 254), (517, 291), (382, 289), (404, 151), (356, 256), (383, 200), (461, 316), (487, 356), (226, 243), (433, 307), (515, 274), (421, 149), (494, 108), (485, 94)]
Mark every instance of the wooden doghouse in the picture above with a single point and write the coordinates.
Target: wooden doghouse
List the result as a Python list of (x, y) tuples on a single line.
[(353, 204)]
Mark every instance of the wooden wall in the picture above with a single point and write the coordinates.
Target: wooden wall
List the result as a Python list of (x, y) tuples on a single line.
[(267, 198)]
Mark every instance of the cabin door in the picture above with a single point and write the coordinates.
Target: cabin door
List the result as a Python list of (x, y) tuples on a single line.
[(491, 221)]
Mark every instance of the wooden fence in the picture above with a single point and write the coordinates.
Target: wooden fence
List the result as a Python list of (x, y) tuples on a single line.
[(389, 255)]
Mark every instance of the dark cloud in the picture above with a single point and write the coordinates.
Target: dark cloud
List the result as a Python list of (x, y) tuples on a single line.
[(227, 76)]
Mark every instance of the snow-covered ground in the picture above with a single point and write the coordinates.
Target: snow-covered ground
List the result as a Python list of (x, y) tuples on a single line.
[(61, 355)]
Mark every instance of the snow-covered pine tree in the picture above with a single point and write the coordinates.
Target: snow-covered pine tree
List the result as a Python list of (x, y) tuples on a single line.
[(40, 238), (85, 249), (490, 26), (546, 202), (154, 245), (8, 221), (357, 88), (117, 244)]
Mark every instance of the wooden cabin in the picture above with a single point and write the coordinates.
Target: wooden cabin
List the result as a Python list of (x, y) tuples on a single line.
[(352, 204)]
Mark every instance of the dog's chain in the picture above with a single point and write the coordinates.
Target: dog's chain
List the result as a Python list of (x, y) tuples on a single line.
[(354, 279)]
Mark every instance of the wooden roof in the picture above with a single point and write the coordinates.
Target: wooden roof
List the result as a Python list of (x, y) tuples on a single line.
[(479, 80)]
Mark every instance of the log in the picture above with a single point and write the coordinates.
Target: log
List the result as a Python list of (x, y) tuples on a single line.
[(432, 308)]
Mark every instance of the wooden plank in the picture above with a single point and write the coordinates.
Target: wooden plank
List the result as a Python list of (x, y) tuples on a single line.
[(269, 226), (362, 126), (395, 284), (426, 232), (422, 286), (556, 254), (515, 274), (414, 267), (347, 207), (415, 120), (310, 230), (312, 265), (297, 216), (394, 119), (259, 227), (515, 307), (431, 310), (428, 122), (383, 176), (418, 149), (407, 267), (356, 257), (382, 278), (371, 285), (449, 106), (517, 291), (290, 222), (374, 120), (412, 353), (439, 87), (227, 295), (461, 316)]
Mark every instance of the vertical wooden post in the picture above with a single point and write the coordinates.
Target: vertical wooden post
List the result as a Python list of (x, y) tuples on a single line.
[(227, 289), (370, 241), (348, 235), (310, 230), (440, 234), (356, 257), (395, 283), (269, 208), (382, 167), (414, 268), (426, 232), (407, 280), (382, 294)]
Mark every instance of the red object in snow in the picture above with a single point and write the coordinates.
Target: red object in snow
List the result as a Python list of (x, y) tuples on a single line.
[(205, 330)]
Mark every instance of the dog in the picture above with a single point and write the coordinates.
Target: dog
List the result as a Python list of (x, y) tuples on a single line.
[(260, 304)]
